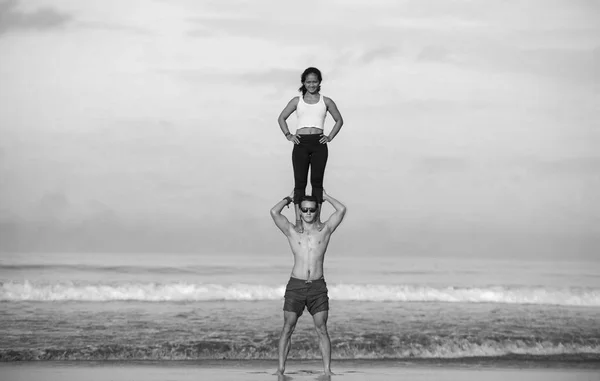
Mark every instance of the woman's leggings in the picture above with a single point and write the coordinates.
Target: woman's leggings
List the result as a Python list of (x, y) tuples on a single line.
[(309, 153)]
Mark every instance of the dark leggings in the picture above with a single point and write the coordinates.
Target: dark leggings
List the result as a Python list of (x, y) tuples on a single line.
[(309, 153)]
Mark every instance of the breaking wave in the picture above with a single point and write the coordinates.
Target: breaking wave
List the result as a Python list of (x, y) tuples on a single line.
[(181, 292), (368, 347)]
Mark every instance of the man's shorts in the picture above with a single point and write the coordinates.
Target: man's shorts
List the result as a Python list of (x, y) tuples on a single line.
[(300, 293)]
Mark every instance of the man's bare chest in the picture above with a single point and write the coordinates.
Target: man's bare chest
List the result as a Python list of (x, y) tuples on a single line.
[(309, 240)]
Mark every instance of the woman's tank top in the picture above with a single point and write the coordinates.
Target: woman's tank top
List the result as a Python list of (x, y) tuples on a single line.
[(311, 115)]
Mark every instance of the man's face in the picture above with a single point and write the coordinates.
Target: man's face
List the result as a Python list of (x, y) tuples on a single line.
[(308, 211)]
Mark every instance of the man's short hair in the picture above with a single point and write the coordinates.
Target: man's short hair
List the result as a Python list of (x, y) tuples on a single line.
[(309, 198)]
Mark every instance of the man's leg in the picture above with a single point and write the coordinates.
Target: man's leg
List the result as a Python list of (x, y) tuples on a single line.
[(320, 319), (285, 341)]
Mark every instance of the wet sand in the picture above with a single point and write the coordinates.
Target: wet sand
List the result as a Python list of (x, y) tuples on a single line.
[(305, 370)]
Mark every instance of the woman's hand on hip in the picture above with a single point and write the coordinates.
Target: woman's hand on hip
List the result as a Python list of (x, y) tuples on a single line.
[(324, 139), (294, 138)]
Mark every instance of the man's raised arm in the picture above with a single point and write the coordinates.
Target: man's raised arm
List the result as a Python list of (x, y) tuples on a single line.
[(340, 210), (280, 220)]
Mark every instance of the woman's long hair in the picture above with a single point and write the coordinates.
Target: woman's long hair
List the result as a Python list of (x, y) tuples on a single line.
[(310, 70)]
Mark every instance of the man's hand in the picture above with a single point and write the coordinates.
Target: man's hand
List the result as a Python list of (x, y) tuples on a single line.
[(280, 220)]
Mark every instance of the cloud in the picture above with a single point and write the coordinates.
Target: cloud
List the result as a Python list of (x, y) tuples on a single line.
[(576, 166), (323, 28), (441, 164), (53, 205), (281, 80), (272, 76), (580, 65), (434, 53), (383, 52), (106, 232), (462, 34), (573, 64), (352, 22), (113, 27), (269, 29), (531, 15), (41, 19)]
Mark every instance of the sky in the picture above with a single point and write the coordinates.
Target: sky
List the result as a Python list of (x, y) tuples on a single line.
[(471, 127)]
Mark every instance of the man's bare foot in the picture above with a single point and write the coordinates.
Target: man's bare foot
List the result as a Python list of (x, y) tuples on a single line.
[(326, 376)]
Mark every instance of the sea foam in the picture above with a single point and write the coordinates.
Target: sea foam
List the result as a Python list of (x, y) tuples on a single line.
[(166, 292)]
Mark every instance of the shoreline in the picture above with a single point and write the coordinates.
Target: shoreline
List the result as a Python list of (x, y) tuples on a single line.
[(506, 362), (259, 370)]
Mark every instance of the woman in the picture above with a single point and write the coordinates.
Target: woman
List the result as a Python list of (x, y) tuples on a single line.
[(310, 140)]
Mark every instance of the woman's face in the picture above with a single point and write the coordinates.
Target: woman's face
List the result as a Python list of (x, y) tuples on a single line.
[(311, 83)]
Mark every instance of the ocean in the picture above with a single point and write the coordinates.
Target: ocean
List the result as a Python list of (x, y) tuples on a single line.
[(168, 307)]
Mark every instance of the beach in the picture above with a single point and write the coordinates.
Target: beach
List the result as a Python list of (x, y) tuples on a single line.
[(126, 317), (305, 370)]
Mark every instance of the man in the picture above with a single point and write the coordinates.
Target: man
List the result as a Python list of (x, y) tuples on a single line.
[(307, 287)]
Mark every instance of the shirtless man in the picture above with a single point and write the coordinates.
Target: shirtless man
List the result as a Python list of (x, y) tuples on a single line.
[(307, 287)]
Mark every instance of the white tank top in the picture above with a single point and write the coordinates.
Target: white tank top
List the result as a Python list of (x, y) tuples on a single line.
[(311, 115)]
